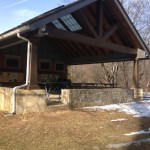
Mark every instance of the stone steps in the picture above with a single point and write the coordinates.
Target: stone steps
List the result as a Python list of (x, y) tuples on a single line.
[(54, 103), (54, 97), (57, 107)]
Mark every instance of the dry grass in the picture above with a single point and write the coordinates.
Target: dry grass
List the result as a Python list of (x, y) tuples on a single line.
[(70, 130)]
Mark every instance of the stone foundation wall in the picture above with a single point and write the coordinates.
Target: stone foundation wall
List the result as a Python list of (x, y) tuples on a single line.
[(26, 100), (5, 99), (77, 98)]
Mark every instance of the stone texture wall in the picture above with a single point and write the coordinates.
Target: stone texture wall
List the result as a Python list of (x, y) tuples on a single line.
[(27, 101), (77, 98), (5, 99), (138, 93)]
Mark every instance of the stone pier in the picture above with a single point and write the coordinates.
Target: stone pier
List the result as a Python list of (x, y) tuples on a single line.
[(27, 101)]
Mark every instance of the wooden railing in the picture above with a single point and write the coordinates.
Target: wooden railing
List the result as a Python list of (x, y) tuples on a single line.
[(92, 85), (60, 85)]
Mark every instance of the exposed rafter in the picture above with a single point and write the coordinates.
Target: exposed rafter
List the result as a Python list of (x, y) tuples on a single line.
[(12, 44), (88, 24), (74, 37), (100, 59), (74, 49), (126, 17), (74, 54), (64, 11), (99, 18), (94, 52), (110, 31), (61, 47), (112, 20), (86, 49), (83, 50)]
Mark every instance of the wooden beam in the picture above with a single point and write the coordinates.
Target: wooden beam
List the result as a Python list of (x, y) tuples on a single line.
[(99, 18), (57, 14), (68, 49), (99, 52), (60, 46), (75, 49), (128, 20), (136, 74), (99, 59), (33, 66), (91, 49), (86, 49), (112, 21), (12, 44), (84, 53), (74, 37), (110, 32), (88, 24)]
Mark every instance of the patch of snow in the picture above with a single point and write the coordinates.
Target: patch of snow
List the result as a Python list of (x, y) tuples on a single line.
[(119, 120), (137, 109), (119, 145), (138, 133)]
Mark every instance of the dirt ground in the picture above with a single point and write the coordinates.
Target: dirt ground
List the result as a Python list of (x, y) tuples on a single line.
[(71, 130)]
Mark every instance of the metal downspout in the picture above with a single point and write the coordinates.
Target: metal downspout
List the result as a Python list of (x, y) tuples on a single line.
[(13, 100)]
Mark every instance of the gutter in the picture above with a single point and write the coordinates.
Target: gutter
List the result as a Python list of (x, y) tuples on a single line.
[(14, 32), (13, 100)]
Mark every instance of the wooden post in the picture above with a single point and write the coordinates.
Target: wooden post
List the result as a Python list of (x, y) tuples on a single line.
[(33, 66), (136, 73), (99, 19)]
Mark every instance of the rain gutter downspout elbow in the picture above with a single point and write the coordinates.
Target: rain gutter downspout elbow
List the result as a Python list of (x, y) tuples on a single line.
[(13, 100)]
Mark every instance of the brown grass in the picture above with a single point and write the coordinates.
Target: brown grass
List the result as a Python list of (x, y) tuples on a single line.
[(70, 130)]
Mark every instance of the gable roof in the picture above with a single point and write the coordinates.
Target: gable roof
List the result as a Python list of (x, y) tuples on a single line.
[(47, 17), (117, 27)]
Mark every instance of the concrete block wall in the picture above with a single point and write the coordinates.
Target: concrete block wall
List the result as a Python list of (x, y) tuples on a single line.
[(77, 98)]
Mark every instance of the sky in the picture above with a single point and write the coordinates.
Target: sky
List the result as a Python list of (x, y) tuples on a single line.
[(15, 12)]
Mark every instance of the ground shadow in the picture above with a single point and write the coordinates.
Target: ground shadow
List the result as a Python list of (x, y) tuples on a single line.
[(142, 141)]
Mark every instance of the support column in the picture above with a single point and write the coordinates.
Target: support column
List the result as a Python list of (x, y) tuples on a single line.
[(136, 74), (33, 66)]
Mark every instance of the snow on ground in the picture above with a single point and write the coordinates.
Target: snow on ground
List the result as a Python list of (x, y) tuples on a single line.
[(123, 119), (138, 142), (137, 109), (110, 146), (138, 133)]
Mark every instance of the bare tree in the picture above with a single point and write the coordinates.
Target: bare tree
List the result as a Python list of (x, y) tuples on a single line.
[(139, 14), (120, 73), (138, 11)]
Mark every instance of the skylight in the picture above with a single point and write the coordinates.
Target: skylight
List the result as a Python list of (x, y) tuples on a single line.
[(67, 22), (71, 23), (58, 24)]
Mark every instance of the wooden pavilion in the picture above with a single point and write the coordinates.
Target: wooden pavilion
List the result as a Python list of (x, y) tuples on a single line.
[(83, 32)]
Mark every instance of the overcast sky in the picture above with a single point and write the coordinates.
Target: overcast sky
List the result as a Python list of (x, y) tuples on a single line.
[(14, 12)]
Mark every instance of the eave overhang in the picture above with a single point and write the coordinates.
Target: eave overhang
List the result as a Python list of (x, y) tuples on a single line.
[(39, 22)]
